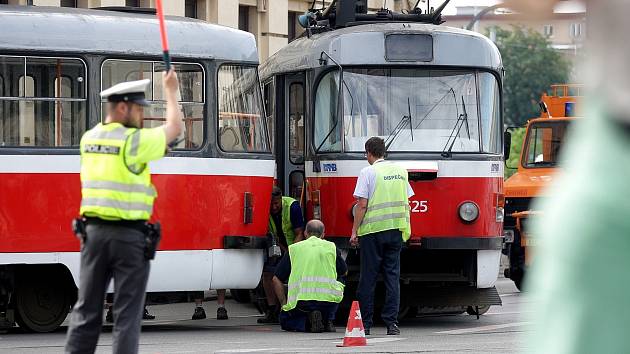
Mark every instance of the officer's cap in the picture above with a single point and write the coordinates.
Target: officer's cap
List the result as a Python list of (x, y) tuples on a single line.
[(130, 91)]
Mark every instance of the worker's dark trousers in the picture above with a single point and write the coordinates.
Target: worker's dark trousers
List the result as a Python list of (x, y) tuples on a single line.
[(109, 251), (380, 253), (295, 320)]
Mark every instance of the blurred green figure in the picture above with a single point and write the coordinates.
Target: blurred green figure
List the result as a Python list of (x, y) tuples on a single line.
[(580, 276)]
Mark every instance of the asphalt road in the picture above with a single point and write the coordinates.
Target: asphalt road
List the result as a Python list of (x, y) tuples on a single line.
[(172, 331)]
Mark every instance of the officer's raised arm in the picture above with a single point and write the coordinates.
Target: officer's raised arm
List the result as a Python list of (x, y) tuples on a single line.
[(173, 125)]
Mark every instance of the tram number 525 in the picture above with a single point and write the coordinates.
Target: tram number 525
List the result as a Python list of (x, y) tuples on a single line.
[(419, 206)]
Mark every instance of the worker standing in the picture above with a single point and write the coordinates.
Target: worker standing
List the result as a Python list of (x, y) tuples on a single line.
[(117, 201), (381, 224)]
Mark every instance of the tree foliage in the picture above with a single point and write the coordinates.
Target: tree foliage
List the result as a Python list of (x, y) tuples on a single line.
[(531, 67)]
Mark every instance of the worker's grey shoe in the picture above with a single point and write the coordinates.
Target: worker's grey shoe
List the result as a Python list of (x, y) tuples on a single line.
[(393, 330), (109, 317), (271, 317), (315, 320), (199, 314), (222, 313), (146, 315), (330, 326)]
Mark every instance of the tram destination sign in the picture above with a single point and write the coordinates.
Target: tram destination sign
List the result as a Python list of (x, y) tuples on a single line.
[(408, 47)]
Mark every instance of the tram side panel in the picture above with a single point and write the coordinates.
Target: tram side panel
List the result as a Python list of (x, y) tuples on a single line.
[(204, 233)]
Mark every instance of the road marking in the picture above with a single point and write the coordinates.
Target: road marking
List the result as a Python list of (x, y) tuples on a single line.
[(511, 294), (275, 350), (506, 313), (378, 340), (483, 328)]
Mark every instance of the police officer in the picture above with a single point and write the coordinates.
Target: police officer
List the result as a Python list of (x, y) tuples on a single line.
[(286, 225), (117, 201), (381, 224), (312, 268)]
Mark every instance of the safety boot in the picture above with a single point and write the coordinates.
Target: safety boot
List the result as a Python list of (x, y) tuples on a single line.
[(271, 317), (315, 320), (199, 314), (222, 313)]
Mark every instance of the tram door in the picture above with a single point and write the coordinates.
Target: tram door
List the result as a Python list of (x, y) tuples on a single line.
[(292, 121)]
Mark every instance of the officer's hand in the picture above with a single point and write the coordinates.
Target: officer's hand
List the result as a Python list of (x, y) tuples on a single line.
[(169, 80), (354, 240)]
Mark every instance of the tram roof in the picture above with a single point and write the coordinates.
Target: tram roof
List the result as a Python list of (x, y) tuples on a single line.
[(54, 29), (364, 45)]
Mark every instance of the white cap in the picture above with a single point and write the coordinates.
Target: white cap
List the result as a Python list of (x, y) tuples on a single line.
[(130, 91)]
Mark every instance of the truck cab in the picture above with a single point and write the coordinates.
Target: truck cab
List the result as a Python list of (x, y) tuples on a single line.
[(537, 168)]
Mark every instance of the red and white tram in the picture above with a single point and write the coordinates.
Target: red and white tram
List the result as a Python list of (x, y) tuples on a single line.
[(434, 94), (214, 187)]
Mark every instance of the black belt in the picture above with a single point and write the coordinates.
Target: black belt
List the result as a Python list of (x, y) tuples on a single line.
[(140, 225)]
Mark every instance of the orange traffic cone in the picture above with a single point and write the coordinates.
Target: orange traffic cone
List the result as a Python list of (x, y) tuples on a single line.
[(355, 333)]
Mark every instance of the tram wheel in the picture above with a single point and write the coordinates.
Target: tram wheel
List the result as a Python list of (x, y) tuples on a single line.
[(42, 300), (482, 310)]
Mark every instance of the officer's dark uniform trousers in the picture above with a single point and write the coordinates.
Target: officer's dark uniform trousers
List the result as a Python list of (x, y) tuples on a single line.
[(380, 252), (110, 251)]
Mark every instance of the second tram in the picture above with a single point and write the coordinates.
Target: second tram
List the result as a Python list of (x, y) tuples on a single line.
[(214, 187), (433, 93)]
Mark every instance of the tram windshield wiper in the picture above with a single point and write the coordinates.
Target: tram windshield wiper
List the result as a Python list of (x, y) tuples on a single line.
[(461, 120), (398, 128)]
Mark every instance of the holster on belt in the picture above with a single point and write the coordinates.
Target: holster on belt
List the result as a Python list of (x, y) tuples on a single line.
[(78, 227), (152, 237)]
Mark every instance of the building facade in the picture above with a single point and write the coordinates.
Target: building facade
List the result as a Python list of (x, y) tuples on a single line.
[(565, 30)]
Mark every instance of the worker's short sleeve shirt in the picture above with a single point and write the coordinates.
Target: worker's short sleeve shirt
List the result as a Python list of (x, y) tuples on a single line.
[(367, 182), (297, 219), (145, 145)]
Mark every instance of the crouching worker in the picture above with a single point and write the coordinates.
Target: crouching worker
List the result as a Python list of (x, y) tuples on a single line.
[(312, 268)]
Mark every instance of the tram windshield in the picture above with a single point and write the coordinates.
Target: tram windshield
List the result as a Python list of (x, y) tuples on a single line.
[(414, 110)]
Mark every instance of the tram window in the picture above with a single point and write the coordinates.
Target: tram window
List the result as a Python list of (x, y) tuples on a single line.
[(117, 71), (327, 128), (241, 127), (192, 94), (296, 123), (269, 100), (47, 106), (490, 109)]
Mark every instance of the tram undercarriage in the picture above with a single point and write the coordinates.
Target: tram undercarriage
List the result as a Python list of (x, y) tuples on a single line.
[(431, 282)]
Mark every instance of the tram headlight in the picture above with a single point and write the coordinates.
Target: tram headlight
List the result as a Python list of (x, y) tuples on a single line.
[(468, 212)]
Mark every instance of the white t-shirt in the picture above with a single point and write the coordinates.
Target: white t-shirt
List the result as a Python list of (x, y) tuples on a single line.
[(367, 181)]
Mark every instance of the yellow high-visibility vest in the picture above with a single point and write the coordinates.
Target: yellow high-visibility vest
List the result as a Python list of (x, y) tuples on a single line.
[(287, 227), (388, 208), (313, 273), (114, 184)]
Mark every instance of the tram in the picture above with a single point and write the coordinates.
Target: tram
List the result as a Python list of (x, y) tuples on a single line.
[(433, 93), (214, 187)]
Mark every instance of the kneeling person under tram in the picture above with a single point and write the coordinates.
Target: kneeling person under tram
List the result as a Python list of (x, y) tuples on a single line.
[(312, 268), (286, 225)]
